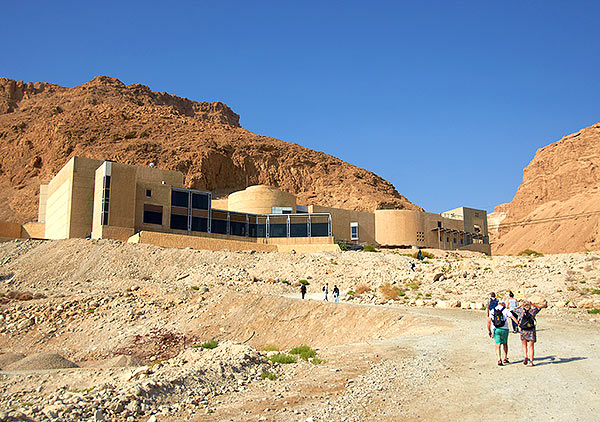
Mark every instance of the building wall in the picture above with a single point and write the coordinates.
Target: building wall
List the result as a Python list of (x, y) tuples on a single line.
[(58, 203), (82, 197), (171, 240), (33, 230), (406, 228), (260, 200), (42, 203), (160, 196), (398, 227), (341, 219), (10, 230)]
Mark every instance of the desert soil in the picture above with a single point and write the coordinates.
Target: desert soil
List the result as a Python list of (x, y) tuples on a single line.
[(130, 317)]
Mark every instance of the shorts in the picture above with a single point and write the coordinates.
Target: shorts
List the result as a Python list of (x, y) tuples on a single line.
[(500, 336)]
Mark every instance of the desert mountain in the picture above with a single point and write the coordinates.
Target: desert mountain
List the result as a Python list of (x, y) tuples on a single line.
[(43, 125), (557, 207)]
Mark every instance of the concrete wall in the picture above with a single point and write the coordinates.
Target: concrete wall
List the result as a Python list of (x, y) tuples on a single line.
[(42, 203), (169, 240), (160, 196), (398, 227), (121, 211), (10, 230), (260, 200), (80, 222), (341, 219), (33, 230), (58, 205), (405, 228)]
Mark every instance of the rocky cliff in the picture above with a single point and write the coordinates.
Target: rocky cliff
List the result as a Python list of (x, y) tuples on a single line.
[(557, 207), (43, 125)]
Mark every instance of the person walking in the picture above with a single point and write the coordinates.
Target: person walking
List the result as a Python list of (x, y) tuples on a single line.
[(336, 294), (303, 290), (492, 303), (326, 291), (499, 318), (512, 305), (526, 318)]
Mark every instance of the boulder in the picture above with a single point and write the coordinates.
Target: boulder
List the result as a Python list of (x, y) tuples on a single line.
[(438, 277)]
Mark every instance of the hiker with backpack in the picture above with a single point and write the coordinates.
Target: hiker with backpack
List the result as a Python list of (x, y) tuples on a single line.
[(499, 317), (526, 319), (492, 303)]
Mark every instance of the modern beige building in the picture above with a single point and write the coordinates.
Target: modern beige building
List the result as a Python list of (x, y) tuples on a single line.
[(104, 199)]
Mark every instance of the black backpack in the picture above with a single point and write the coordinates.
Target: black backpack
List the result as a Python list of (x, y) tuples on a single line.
[(498, 319), (527, 321)]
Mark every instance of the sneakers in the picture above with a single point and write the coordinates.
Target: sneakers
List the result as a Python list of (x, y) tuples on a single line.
[(525, 361), (500, 363)]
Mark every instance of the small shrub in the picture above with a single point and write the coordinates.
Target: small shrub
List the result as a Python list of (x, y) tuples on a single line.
[(305, 282), (270, 348), (363, 288), (342, 245), (351, 293), (390, 292), (207, 345), (571, 288), (487, 269), (596, 292), (268, 375), (427, 295), (529, 252), (317, 361), (304, 352), (414, 285), (369, 248), (195, 288), (594, 311), (285, 282), (282, 358)]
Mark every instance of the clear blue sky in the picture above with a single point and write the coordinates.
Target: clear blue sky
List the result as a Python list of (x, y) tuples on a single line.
[(448, 100)]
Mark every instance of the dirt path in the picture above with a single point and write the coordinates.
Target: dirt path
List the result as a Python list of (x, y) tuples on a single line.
[(563, 385), (450, 375)]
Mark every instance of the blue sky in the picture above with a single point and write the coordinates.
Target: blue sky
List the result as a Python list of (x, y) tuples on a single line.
[(448, 100)]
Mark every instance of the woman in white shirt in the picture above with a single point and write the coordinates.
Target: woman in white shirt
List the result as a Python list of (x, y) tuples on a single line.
[(512, 305)]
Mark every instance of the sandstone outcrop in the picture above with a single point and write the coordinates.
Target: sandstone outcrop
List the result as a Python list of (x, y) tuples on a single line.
[(557, 207), (42, 125)]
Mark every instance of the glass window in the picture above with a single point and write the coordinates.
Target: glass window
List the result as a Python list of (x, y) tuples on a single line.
[(200, 201), (354, 231), (152, 214), (179, 222), (298, 229), (319, 229), (179, 198), (148, 193), (218, 226), (200, 224)]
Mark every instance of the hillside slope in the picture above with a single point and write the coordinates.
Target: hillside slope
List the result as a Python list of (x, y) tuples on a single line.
[(43, 125), (557, 207)]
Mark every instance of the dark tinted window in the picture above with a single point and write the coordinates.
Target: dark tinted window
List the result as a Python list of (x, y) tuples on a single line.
[(319, 229), (199, 224), (152, 217), (179, 222), (200, 201), (238, 228), (218, 226), (179, 198), (278, 230), (298, 230)]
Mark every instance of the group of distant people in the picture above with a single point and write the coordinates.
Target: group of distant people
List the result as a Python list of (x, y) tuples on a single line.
[(521, 315), (336, 292)]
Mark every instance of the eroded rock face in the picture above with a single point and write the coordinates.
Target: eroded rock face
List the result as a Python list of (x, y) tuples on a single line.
[(43, 125), (560, 193)]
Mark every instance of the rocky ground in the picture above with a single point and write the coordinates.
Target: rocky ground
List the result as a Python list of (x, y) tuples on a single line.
[(104, 330)]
